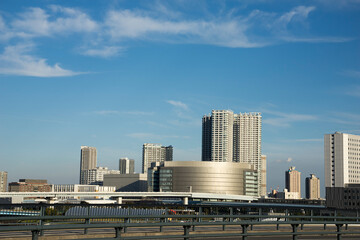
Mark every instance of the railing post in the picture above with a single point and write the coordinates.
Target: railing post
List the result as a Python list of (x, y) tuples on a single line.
[(87, 220), (338, 231), (346, 226), (325, 226), (357, 215), (302, 226), (161, 226), (126, 220), (335, 214), (41, 222), (223, 226), (193, 226), (186, 232), (231, 213), (200, 213), (244, 231), (294, 230), (260, 213), (312, 214), (286, 214), (35, 234), (118, 232)]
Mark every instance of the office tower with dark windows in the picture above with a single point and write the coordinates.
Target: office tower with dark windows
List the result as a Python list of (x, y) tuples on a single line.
[(155, 153), (88, 158), (293, 181), (126, 166), (229, 137)]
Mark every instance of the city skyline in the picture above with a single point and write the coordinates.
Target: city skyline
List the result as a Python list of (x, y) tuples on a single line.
[(117, 74)]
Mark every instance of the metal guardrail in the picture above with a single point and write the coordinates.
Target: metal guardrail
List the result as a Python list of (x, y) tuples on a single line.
[(121, 223)]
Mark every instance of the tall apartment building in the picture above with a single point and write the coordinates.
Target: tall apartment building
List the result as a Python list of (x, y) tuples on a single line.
[(342, 170), (126, 166), (155, 153), (293, 180), (229, 137), (88, 159), (96, 175), (312, 187), (3, 181)]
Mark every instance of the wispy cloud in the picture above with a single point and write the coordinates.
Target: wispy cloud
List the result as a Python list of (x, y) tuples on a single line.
[(178, 104), (104, 52), (285, 119), (284, 160), (352, 73), (150, 136), (355, 91), (16, 60), (116, 112), (35, 22), (309, 140)]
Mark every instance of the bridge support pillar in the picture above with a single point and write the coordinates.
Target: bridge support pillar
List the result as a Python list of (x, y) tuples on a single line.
[(338, 231), (294, 230), (35, 234), (118, 232), (244, 231), (186, 232)]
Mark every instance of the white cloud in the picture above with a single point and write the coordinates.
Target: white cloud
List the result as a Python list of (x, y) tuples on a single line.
[(15, 60), (310, 140), (104, 52), (37, 22), (150, 136), (124, 24), (284, 119), (116, 112), (178, 104), (352, 73), (355, 91)]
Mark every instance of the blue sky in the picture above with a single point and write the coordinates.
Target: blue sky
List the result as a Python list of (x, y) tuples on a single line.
[(117, 74)]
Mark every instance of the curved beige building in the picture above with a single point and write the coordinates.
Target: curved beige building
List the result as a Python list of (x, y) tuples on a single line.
[(204, 177)]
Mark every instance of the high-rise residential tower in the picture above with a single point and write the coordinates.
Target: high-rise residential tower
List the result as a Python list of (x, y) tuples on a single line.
[(342, 159), (312, 186), (88, 158), (293, 180), (3, 181), (229, 137), (155, 153), (126, 166)]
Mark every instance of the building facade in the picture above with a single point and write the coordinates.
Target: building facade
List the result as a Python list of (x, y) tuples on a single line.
[(342, 159), (96, 176), (204, 177), (342, 170), (88, 160), (30, 185), (312, 187), (229, 137), (3, 181), (136, 182), (293, 180), (126, 166), (263, 191), (155, 153)]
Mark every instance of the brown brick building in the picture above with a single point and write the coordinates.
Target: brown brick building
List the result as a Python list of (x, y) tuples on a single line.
[(30, 185)]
